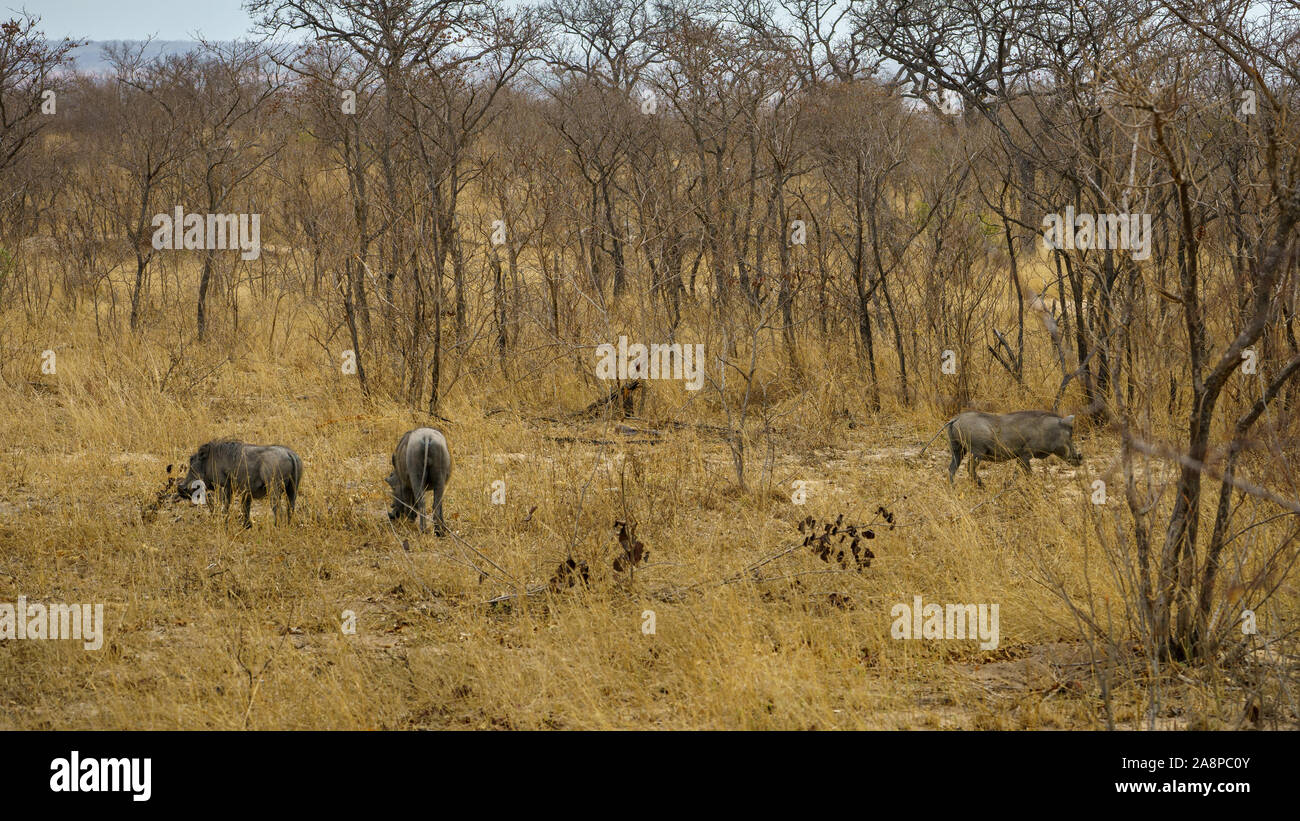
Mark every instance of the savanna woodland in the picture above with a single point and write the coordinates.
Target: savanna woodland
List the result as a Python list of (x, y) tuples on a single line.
[(452, 205)]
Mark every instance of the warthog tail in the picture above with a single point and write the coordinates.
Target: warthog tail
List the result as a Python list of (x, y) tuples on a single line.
[(424, 472), (946, 425)]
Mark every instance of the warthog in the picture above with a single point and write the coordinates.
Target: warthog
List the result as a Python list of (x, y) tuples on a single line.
[(252, 471), (993, 437), (421, 462)]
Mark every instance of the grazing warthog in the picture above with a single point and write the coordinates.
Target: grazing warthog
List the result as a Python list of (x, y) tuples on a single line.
[(252, 471), (993, 437), (421, 462)]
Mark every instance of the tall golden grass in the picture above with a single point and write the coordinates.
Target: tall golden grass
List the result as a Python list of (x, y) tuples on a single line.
[(210, 626)]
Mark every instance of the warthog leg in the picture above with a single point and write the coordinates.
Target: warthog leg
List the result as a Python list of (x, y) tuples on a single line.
[(291, 498), (957, 454), (286, 493), (417, 504), (439, 524)]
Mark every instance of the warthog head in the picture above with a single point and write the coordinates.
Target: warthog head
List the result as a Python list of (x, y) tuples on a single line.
[(197, 470), (1071, 454)]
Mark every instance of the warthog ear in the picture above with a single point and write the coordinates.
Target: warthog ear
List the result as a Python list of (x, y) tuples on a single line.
[(204, 450), (1068, 421)]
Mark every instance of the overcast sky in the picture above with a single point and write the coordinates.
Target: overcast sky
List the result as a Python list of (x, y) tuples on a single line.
[(136, 19)]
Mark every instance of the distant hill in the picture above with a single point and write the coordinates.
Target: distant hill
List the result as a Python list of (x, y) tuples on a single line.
[(90, 57)]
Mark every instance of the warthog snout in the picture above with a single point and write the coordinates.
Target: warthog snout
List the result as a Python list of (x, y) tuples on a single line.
[(185, 483)]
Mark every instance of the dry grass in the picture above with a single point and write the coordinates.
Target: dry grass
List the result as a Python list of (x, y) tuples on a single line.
[(209, 626)]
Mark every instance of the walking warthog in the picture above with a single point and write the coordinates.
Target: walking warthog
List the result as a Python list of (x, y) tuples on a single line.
[(225, 467), (421, 462), (993, 437)]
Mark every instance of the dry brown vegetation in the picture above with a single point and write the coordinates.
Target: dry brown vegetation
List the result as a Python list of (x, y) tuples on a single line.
[(212, 626), (764, 525)]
